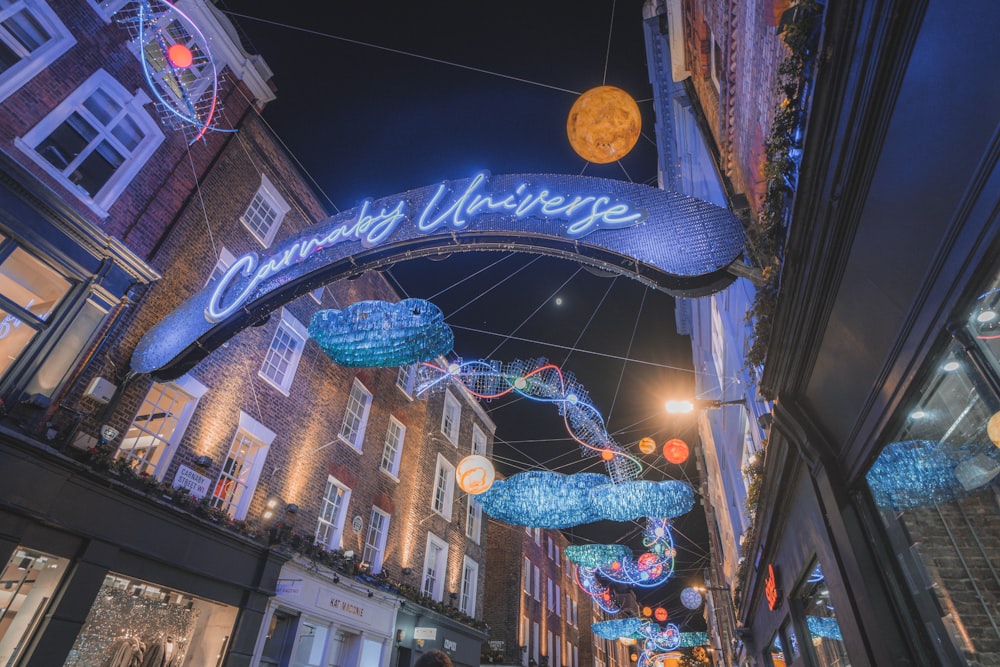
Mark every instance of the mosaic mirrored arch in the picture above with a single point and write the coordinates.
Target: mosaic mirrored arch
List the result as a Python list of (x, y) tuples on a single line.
[(666, 240)]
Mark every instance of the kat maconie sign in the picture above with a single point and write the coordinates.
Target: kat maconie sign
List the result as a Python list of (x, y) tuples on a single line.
[(667, 239)]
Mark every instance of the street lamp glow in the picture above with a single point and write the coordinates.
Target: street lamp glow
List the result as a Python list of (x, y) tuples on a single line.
[(679, 407)]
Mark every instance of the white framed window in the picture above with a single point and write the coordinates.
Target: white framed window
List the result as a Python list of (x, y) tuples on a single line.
[(537, 532), (238, 479), (352, 431), (150, 442), (537, 583), (226, 260), (392, 450), (549, 603), (95, 141), (378, 530), (266, 211), (718, 339), (470, 581), (717, 63), (527, 576), (478, 440), (558, 598), (548, 546), (31, 38), (558, 655), (524, 640), (405, 378), (435, 567), (473, 520), (444, 487), (576, 656), (574, 613), (556, 557), (332, 514), (536, 640), (548, 647), (282, 358), (451, 417)]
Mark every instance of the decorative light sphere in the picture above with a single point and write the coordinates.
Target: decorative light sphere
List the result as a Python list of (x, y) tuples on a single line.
[(690, 598), (660, 614), (675, 450), (647, 445), (475, 474), (180, 56), (607, 454), (993, 428), (647, 611), (604, 124)]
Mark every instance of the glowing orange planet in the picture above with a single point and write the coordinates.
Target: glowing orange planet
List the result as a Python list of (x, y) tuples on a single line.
[(180, 56), (607, 454), (675, 450), (647, 445), (603, 124), (647, 611), (475, 474), (993, 428), (661, 614)]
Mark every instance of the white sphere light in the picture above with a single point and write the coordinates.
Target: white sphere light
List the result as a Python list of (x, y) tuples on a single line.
[(475, 474), (690, 598)]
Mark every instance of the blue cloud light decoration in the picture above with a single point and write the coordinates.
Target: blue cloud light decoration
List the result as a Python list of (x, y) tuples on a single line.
[(382, 334), (617, 628), (596, 555), (543, 499)]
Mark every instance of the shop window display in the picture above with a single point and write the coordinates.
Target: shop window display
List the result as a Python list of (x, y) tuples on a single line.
[(775, 652), (825, 637), (134, 623), (935, 485), (30, 579)]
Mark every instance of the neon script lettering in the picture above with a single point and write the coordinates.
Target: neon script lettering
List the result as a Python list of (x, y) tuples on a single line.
[(443, 211)]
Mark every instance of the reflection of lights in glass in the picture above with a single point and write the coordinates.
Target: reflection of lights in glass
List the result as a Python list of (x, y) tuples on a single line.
[(986, 316), (918, 414), (951, 366)]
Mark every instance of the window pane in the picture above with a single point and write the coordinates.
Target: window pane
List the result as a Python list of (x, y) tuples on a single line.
[(26, 30), (97, 168), (155, 428), (127, 131), (932, 486), (103, 106), (30, 579), (67, 141), (984, 323), (58, 363), (30, 284)]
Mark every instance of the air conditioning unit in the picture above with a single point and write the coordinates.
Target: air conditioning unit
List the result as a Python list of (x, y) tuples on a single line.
[(100, 390)]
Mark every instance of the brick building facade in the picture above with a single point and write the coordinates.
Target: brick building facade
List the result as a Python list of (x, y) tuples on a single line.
[(267, 503), (545, 619)]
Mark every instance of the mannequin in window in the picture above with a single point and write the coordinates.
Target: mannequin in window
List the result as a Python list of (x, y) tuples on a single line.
[(162, 652)]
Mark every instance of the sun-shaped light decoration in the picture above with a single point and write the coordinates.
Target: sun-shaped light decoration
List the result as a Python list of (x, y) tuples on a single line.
[(475, 474), (603, 124)]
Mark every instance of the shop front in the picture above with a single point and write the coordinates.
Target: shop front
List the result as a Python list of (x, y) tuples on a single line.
[(419, 630), (319, 618), (97, 574)]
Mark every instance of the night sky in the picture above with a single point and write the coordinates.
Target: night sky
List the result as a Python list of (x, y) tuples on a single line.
[(370, 122)]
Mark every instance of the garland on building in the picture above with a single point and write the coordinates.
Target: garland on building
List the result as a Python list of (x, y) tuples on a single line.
[(765, 237)]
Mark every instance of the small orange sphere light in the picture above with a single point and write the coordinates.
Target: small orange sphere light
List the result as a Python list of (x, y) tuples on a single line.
[(603, 124), (647, 611), (180, 56), (993, 428), (634, 657), (647, 445), (475, 474), (607, 454), (675, 450), (660, 614)]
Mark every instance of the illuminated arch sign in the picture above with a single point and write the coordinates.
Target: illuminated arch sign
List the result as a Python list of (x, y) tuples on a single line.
[(664, 239)]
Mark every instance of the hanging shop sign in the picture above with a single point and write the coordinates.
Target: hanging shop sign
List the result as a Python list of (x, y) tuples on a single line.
[(665, 239), (427, 634), (771, 590)]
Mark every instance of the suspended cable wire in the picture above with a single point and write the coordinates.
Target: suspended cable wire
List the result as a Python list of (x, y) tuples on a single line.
[(398, 51), (607, 54)]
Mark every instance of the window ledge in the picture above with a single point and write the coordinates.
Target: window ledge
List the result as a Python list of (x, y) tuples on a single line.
[(354, 448), (389, 474), (274, 384)]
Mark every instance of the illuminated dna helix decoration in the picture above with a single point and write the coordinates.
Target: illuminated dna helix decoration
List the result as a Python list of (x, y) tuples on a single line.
[(540, 381)]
